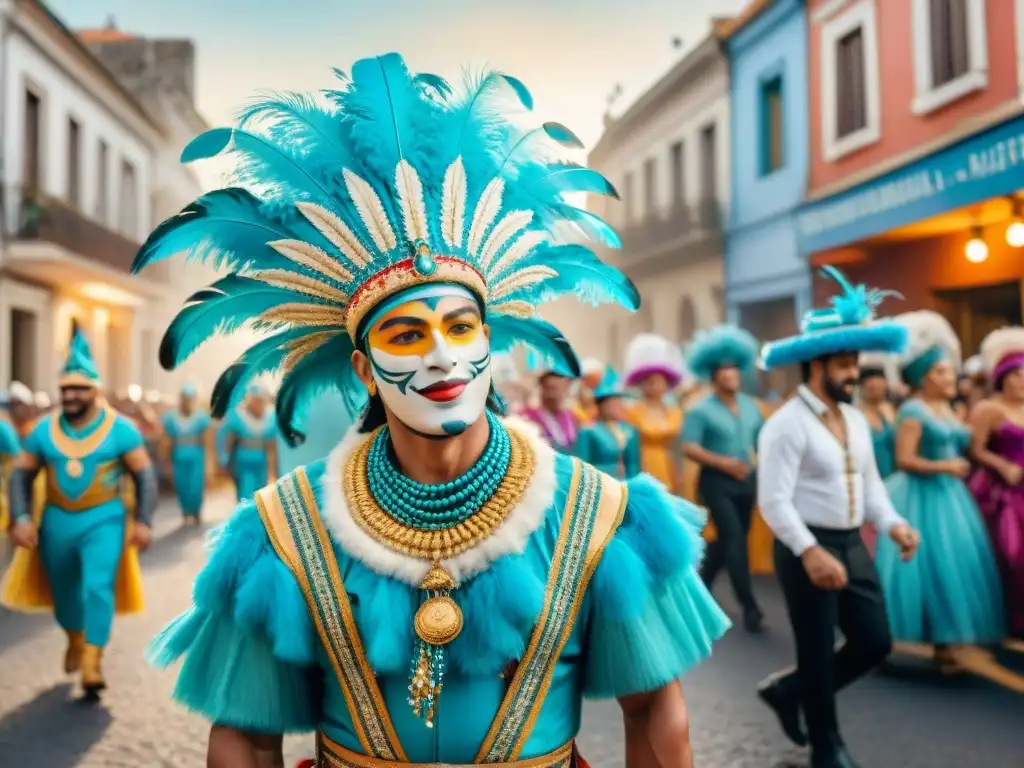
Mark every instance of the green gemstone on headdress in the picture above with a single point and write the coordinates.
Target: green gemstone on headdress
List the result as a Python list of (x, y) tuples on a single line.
[(423, 262)]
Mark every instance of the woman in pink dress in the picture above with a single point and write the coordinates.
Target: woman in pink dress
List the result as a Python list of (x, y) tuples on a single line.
[(998, 449)]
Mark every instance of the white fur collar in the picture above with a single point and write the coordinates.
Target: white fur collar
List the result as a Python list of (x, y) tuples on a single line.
[(510, 538)]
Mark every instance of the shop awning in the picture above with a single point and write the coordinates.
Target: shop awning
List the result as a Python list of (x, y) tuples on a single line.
[(988, 164)]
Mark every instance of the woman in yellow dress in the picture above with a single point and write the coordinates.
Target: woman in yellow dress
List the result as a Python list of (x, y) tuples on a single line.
[(655, 366)]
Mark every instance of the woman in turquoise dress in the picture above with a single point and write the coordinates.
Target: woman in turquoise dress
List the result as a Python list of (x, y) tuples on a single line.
[(874, 404), (187, 430), (248, 443), (611, 444), (949, 595)]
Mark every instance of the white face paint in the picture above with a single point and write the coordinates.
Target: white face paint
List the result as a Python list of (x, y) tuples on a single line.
[(430, 358)]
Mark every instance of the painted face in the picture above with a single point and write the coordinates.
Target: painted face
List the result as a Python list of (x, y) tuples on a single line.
[(431, 361)]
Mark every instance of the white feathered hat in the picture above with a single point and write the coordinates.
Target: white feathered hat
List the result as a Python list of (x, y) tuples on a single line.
[(649, 353), (932, 338), (873, 361), (974, 365), (1002, 351)]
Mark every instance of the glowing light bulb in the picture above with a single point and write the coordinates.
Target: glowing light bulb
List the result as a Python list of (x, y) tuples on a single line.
[(1015, 234), (976, 250)]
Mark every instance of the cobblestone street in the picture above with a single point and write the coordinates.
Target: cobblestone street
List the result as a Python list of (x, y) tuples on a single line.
[(913, 720)]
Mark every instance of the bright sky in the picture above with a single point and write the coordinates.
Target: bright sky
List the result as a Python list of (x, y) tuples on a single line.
[(570, 53)]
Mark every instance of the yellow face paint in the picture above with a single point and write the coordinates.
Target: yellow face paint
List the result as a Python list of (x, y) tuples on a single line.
[(409, 329)]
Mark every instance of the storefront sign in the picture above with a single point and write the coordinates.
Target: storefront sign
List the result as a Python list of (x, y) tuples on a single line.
[(987, 165)]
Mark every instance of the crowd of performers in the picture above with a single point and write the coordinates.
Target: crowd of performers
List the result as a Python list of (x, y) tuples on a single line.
[(443, 582)]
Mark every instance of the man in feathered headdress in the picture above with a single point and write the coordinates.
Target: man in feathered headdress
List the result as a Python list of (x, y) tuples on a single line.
[(817, 484), (415, 597), (720, 434), (188, 435), (77, 561)]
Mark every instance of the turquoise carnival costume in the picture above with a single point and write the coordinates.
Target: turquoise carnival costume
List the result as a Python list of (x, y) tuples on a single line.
[(950, 593), (188, 437), (883, 435), (726, 429), (247, 446), (459, 623), (88, 571), (611, 446)]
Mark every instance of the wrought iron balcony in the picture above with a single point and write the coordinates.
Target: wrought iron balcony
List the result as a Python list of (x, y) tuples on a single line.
[(683, 234), (41, 218)]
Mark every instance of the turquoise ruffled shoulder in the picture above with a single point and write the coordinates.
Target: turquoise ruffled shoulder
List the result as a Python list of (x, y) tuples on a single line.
[(650, 617), (248, 643)]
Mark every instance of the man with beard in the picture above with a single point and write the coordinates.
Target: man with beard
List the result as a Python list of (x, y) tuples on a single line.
[(80, 545), (818, 483), (422, 595)]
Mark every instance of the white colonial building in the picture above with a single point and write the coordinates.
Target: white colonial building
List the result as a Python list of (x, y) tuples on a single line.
[(668, 157), (78, 166), (161, 73)]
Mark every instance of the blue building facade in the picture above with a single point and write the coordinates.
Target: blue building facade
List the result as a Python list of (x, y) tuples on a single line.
[(768, 281)]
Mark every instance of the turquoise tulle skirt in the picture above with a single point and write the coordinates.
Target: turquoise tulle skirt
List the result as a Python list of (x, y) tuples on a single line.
[(949, 593)]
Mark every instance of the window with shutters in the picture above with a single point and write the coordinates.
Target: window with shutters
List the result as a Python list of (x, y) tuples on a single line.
[(772, 137), (850, 99), (628, 199), (950, 51), (74, 162), (650, 188), (678, 163)]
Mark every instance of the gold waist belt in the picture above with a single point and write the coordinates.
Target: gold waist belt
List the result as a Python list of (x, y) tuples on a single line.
[(98, 493), (332, 755)]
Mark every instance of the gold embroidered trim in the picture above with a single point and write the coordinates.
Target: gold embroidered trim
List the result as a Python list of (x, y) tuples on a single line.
[(77, 448), (447, 543), (370, 718), (403, 275), (330, 754)]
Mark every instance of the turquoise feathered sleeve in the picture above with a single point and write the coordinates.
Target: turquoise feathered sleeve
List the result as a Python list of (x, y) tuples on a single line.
[(650, 617), (248, 642)]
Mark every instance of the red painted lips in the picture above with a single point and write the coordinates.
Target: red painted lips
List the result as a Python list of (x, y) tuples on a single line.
[(443, 391)]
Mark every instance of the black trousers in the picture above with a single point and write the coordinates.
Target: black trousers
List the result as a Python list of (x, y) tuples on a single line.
[(859, 612), (730, 503)]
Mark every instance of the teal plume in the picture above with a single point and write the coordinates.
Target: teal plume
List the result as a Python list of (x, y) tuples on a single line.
[(389, 170), (853, 305), (80, 363)]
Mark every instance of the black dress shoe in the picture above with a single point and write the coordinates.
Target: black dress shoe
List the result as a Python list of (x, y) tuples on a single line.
[(787, 708), (835, 757), (753, 620)]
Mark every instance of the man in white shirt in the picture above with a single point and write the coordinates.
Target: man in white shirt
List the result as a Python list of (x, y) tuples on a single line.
[(818, 482)]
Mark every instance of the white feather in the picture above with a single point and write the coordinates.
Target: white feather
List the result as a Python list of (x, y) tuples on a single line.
[(519, 249), (453, 204), (410, 198), (511, 224), (336, 232), (647, 350), (487, 208), (311, 257), (1000, 343), (518, 280), (371, 211)]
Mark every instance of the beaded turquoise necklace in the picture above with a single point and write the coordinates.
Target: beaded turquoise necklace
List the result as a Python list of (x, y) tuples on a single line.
[(443, 505)]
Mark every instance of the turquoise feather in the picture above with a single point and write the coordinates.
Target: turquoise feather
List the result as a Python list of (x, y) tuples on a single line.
[(315, 373), (559, 133), (579, 272), (240, 299), (521, 91), (508, 331), (264, 357), (569, 177)]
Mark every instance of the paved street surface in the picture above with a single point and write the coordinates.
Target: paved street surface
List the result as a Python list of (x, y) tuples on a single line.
[(913, 720)]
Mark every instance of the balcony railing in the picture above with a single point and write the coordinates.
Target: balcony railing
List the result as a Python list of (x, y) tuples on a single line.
[(40, 218), (678, 222)]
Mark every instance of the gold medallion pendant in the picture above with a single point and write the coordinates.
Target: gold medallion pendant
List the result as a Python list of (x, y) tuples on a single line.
[(73, 467), (438, 621)]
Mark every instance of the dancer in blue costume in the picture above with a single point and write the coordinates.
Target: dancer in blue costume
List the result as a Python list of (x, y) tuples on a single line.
[(248, 443), (444, 587), (950, 595), (720, 434), (188, 431), (611, 444), (81, 542)]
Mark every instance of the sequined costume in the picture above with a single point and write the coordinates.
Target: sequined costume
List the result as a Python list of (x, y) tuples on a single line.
[(459, 623)]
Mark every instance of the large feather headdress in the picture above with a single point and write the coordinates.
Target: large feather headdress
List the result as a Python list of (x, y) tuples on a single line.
[(392, 180)]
